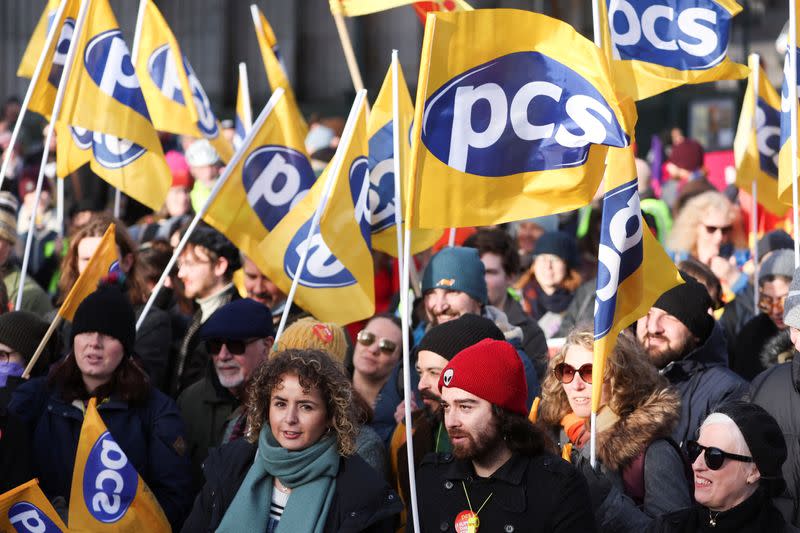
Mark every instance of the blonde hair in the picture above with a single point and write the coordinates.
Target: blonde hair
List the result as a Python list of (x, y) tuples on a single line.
[(683, 237)]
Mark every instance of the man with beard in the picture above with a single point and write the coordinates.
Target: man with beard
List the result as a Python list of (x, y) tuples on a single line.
[(500, 475), (238, 337), (688, 347), (261, 289)]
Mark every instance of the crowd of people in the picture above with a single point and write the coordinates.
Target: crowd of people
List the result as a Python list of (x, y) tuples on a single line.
[(234, 431)]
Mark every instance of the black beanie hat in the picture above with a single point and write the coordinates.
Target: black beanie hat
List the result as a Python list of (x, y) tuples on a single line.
[(763, 436), (560, 244), (451, 337), (689, 303), (108, 311), (22, 331)]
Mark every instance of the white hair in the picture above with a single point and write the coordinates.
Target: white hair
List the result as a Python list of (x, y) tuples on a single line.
[(735, 432)]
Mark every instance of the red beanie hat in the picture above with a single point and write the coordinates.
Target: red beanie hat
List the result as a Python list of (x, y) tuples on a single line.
[(491, 370)]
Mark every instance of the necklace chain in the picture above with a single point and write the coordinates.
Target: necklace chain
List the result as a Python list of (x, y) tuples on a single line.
[(281, 487), (712, 518), (469, 503)]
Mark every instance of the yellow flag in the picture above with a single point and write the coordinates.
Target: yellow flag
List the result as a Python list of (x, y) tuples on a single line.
[(757, 142), (509, 124), (107, 493), (275, 71), (381, 168), (633, 269), (337, 283), (35, 46), (354, 8), (104, 261), (175, 98), (786, 175), (657, 46), (243, 121), (26, 509), (44, 91), (272, 175)]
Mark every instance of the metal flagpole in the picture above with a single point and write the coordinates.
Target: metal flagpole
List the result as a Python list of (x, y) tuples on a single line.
[(755, 60), (793, 113)]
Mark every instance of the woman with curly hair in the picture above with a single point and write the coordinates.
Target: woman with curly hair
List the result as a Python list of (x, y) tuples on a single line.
[(296, 470), (637, 415)]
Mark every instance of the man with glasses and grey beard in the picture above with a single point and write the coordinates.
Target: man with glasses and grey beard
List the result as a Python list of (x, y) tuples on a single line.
[(238, 337)]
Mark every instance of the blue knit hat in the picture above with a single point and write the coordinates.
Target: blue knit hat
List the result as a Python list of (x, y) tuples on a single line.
[(560, 244), (457, 269), (239, 320)]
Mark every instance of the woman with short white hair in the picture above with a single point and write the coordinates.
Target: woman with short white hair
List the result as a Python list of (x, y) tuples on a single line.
[(736, 461)]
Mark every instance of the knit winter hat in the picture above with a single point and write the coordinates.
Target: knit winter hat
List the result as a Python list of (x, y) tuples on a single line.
[(560, 244), (491, 370), (239, 320), (309, 333), (108, 311), (777, 263), (457, 269), (8, 217), (451, 337), (763, 436), (22, 331), (200, 153), (774, 240), (689, 303), (791, 307)]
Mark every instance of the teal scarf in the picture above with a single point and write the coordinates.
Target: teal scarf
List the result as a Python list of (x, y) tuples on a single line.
[(310, 473)]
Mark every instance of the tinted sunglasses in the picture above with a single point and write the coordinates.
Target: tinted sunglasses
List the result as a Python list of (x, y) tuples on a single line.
[(714, 457), (566, 373), (768, 303), (713, 229), (235, 347), (367, 338)]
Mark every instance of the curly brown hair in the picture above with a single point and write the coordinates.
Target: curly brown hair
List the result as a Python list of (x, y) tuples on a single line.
[(314, 369), (631, 376)]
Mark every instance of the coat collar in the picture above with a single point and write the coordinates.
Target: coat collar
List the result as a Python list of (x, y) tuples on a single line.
[(512, 472)]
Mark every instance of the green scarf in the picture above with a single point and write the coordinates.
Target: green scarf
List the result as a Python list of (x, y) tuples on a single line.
[(310, 473)]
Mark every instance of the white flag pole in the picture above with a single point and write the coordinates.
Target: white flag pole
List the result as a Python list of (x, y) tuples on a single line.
[(792, 82), (755, 60), (237, 156), (37, 72), (247, 118), (62, 87)]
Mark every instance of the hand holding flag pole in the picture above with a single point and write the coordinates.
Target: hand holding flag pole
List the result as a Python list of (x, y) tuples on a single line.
[(237, 156)]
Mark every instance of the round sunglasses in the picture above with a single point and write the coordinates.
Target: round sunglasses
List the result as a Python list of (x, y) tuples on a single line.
[(566, 373), (367, 338), (713, 456)]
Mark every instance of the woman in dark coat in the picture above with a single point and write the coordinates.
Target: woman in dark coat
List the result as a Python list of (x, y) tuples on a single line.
[(299, 456), (737, 460), (144, 422)]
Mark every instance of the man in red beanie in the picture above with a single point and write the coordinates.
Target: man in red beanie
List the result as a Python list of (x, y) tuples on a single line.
[(501, 475)]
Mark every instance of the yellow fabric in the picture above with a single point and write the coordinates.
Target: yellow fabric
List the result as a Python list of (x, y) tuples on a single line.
[(337, 284), (354, 8), (103, 260), (460, 51), (100, 462), (276, 75), (642, 79), (244, 113), (26, 508), (35, 46), (754, 140), (176, 99), (785, 174), (381, 148)]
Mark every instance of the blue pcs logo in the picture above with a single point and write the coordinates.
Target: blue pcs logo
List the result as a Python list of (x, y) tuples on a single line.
[(275, 179), (786, 121), (109, 481), (109, 151), (60, 52), (620, 252), (322, 270), (27, 518), (522, 112), (359, 191), (81, 137), (681, 34), (207, 121), (161, 66), (108, 63), (768, 137), (381, 178)]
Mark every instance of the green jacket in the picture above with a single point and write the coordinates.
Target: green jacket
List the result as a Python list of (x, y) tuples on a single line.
[(34, 299)]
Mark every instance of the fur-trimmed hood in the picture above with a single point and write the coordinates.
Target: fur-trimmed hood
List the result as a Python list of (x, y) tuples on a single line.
[(653, 419), (779, 349)]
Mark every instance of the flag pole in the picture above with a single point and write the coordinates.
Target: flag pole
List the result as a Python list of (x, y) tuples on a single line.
[(237, 156), (349, 54), (792, 82), (755, 60), (37, 72), (333, 171), (62, 87), (247, 119), (39, 349), (60, 205)]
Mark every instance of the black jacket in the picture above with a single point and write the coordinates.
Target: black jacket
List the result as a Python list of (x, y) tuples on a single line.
[(535, 494), (778, 391), (534, 343), (15, 445), (704, 381), (362, 502), (745, 354)]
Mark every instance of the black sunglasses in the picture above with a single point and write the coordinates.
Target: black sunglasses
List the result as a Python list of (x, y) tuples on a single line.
[(714, 457), (367, 338), (566, 373), (725, 230), (235, 347)]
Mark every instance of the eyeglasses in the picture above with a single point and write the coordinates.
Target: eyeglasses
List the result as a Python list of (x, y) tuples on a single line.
[(566, 373), (713, 456), (5, 356), (367, 338), (768, 303), (235, 346), (725, 230)]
